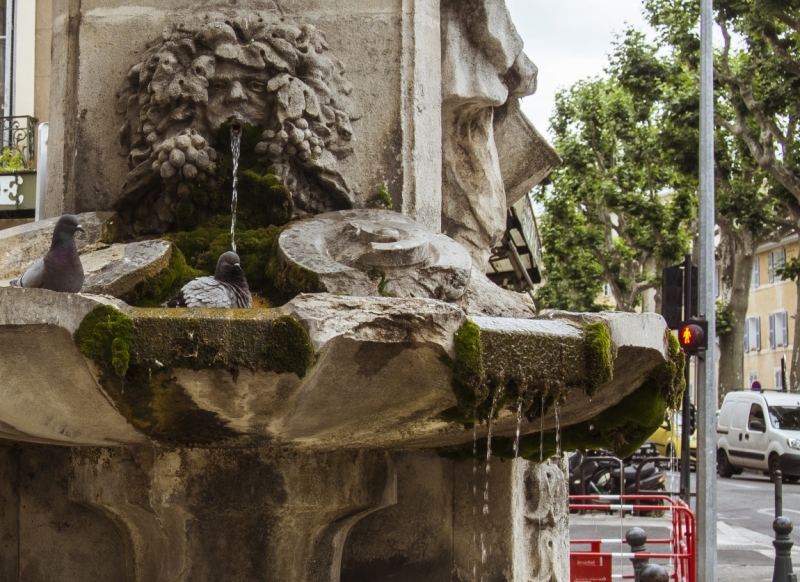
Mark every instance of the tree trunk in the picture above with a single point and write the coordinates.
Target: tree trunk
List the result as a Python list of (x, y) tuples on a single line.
[(737, 253), (794, 377)]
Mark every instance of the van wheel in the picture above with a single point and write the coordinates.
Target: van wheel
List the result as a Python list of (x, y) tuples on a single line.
[(724, 467), (775, 465)]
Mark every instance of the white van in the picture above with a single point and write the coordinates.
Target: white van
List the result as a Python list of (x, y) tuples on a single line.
[(759, 430)]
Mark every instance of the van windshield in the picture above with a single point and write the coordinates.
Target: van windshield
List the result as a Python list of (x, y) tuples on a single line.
[(785, 417)]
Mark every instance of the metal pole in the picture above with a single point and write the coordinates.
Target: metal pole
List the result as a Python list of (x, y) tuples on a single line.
[(778, 494), (706, 373), (686, 475)]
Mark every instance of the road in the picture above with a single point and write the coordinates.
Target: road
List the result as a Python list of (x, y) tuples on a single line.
[(745, 510)]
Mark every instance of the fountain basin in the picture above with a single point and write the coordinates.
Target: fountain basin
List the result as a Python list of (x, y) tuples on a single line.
[(322, 372)]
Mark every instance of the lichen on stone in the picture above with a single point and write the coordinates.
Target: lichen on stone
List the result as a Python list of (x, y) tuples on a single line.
[(104, 335), (469, 377)]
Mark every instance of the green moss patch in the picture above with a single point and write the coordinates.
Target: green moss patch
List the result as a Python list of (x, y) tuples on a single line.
[(289, 347), (157, 289), (137, 356), (258, 250), (496, 368), (105, 335), (600, 356)]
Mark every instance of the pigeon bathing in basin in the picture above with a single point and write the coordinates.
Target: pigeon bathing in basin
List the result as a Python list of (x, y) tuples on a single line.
[(227, 288), (60, 269)]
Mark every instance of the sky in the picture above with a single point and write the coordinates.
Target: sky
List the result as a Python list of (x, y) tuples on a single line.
[(568, 40)]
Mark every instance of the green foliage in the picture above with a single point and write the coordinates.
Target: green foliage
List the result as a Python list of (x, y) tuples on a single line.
[(384, 198), (617, 210), (104, 335), (11, 160), (726, 320)]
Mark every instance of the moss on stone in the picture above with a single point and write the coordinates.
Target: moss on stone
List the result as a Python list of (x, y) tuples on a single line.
[(104, 335), (469, 377), (623, 428), (289, 347), (384, 198), (153, 291), (374, 274), (600, 356)]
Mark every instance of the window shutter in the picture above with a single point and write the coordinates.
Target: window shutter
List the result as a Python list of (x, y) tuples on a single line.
[(746, 336), (756, 272), (778, 380), (758, 332), (785, 328), (772, 331), (771, 267)]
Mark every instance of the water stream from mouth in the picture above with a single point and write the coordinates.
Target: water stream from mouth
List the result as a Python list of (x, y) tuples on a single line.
[(236, 148), (519, 425)]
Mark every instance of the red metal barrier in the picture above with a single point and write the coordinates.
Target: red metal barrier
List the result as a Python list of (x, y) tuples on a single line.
[(596, 566)]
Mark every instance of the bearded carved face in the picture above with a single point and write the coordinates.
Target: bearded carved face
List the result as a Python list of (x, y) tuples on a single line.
[(250, 68)]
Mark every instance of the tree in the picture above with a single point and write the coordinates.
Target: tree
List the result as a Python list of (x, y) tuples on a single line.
[(757, 85), (615, 213)]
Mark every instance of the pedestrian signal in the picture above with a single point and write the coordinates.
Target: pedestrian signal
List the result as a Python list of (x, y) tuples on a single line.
[(692, 336)]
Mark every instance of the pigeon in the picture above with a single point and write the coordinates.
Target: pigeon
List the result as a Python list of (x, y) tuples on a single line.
[(227, 288), (60, 269)]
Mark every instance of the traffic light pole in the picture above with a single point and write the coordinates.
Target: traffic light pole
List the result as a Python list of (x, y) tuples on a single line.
[(706, 369), (686, 476)]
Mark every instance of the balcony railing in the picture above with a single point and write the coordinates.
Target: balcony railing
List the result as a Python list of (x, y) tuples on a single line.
[(18, 133)]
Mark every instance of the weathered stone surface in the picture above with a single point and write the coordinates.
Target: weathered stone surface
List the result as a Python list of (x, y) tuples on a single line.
[(48, 393), (22, 245), (118, 269), (376, 252), (483, 297)]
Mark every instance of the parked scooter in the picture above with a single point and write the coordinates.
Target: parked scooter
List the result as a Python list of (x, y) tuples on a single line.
[(592, 474)]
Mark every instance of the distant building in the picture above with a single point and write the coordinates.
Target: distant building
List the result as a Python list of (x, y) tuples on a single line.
[(770, 316)]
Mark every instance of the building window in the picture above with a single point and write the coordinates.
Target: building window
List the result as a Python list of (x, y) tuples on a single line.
[(778, 379), (775, 261), (778, 329), (753, 377), (6, 56), (756, 273), (752, 334), (607, 290)]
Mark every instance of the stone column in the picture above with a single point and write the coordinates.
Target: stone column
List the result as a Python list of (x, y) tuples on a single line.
[(204, 515), (9, 513), (421, 79)]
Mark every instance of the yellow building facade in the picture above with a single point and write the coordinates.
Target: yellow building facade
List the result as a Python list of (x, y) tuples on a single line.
[(770, 322)]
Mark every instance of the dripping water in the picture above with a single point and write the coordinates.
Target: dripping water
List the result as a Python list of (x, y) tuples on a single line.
[(558, 429), (236, 146), (519, 425), (474, 494), (541, 458), (489, 453)]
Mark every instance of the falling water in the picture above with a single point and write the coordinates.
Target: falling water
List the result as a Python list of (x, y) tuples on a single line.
[(519, 425), (474, 493), (541, 434), (558, 429), (236, 146), (489, 454)]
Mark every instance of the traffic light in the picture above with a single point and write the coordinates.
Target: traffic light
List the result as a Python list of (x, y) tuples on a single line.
[(692, 336), (692, 419)]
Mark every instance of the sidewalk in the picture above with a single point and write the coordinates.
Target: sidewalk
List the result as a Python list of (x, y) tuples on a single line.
[(743, 555)]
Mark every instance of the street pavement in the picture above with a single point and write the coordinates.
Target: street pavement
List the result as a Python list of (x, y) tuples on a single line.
[(745, 511)]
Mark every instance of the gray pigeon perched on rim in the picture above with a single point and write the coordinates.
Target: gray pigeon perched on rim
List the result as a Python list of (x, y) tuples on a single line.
[(227, 288), (60, 269)]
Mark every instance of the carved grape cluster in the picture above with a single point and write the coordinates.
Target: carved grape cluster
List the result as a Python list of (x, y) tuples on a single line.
[(296, 139), (184, 156)]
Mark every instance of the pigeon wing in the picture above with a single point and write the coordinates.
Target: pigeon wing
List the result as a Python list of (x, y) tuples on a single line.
[(32, 278), (206, 292)]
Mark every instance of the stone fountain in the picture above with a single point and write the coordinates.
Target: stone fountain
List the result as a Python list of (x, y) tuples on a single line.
[(341, 430)]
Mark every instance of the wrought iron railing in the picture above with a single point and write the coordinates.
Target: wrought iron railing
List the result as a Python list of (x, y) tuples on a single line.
[(18, 133)]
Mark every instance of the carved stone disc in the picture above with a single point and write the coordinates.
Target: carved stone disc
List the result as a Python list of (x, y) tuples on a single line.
[(377, 252)]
